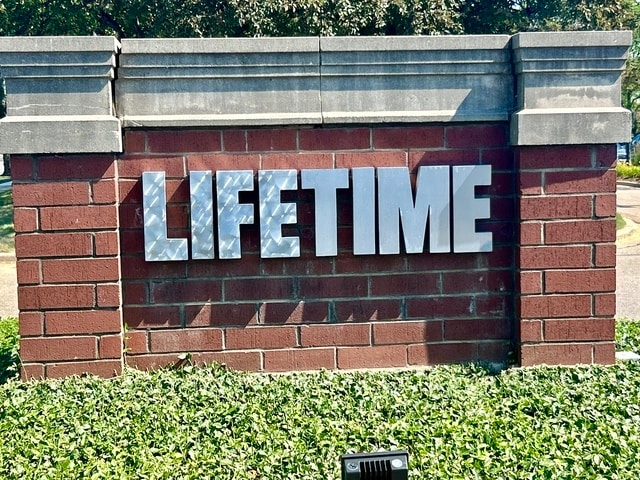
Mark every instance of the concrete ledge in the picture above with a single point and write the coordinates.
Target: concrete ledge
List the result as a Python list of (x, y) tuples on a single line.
[(213, 82), (59, 93), (179, 121), (416, 79), (60, 90), (216, 82), (568, 86), (570, 126), (424, 116), (573, 40), (63, 134)]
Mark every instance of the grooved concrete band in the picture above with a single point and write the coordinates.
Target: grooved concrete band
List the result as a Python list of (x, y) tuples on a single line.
[(62, 97)]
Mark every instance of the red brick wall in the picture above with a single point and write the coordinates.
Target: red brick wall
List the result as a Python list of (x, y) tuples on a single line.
[(67, 250), (546, 293), (567, 255), (316, 312)]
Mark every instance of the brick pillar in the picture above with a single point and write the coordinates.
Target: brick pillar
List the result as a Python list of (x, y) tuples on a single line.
[(67, 252), (566, 259)]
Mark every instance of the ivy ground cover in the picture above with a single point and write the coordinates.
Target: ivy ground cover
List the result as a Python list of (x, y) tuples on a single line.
[(461, 422)]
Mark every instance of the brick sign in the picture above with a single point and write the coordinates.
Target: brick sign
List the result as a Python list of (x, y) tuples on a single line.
[(288, 204)]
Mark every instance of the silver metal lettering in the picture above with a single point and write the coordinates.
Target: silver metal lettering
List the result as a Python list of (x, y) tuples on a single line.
[(396, 204), (157, 247), (364, 210), (231, 213), (201, 194), (400, 210), (325, 182), (467, 209), (274, 214)]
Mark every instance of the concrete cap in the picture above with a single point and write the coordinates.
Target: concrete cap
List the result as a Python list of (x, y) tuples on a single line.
[(219, 45), (579, 39), (58, 44), (568, 85)]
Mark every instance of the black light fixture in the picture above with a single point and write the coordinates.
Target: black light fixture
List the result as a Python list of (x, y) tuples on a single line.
[(375, 466)]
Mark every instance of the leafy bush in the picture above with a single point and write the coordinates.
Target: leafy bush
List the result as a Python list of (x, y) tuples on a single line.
[(8, 349), (628, 335), (211, 423), (628, 171), (456, 422), (7, 232)]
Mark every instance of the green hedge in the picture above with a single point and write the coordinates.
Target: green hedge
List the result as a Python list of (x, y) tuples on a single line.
[(624, 170), (8, 348), (460, 422), (628, 335)]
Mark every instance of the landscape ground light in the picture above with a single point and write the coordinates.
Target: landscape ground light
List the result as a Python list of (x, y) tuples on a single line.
[(375, 466)]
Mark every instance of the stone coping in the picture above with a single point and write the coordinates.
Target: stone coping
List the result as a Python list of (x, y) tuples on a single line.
[(76, 94)]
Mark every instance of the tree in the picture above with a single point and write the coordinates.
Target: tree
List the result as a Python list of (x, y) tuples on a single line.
[(216, 18), (511, 16), (237, 18), (631, 88)]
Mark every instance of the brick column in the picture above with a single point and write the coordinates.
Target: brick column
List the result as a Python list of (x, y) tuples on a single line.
[(566, 255), (562, 134), (67, 252)]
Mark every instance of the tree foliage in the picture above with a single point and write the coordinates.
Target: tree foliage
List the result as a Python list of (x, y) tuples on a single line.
[(228, 18), (238, 18), (511, 16)]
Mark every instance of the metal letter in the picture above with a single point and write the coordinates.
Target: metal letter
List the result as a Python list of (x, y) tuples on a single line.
[(157, 247), (395, 205), (231, 213), (274, 213), (364, 211), (325, 182), (467, 208), (201, 193)]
